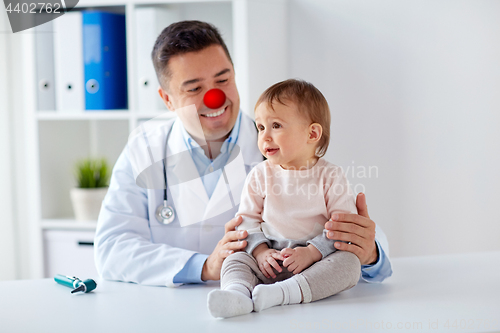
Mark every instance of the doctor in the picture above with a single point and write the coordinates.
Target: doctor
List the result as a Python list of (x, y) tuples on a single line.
[(219, 147)]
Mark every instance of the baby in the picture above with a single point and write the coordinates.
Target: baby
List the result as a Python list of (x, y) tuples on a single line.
[(285, 203)]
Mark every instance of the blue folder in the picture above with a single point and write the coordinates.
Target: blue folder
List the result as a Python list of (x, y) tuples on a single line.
[(104, 56)]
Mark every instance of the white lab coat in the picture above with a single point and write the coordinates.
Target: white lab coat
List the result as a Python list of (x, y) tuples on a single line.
[(131, 245)]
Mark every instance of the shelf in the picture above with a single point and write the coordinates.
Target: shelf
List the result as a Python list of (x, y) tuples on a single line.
[(103, 115), (103, 3), (67, 224), (160, 114), (100, 3), (90, 115)]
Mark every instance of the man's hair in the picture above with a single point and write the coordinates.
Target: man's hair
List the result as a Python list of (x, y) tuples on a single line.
[(180, 38), (309, 101)]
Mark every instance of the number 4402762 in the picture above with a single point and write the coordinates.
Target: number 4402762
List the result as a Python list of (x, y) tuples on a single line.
[(33, 8), (470, 324)]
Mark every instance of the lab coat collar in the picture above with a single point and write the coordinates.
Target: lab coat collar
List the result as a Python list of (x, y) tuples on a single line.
[(246, 140)]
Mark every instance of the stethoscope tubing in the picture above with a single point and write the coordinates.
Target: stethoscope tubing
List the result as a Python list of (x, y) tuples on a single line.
[(165, 214)]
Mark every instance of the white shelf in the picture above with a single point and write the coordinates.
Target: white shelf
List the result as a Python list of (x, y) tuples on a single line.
[(153, 114), (103, 115), (104, 3), (87, 115), (101, 3), (68, 224)]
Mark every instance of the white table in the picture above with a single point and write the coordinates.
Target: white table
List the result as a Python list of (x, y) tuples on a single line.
[(453, 293)]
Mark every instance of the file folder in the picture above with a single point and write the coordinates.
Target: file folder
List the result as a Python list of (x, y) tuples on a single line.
[(68, 61), (105, 61), (45, 76), (149, 23)]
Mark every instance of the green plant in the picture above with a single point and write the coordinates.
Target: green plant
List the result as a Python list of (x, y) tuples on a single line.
[(92, 173)]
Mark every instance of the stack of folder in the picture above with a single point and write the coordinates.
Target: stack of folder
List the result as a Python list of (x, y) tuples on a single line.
[(82, 65)]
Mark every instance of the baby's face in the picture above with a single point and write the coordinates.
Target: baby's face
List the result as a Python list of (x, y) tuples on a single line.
[(283, 135)]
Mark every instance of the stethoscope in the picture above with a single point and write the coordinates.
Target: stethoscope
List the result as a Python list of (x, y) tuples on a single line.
[(165, 214)]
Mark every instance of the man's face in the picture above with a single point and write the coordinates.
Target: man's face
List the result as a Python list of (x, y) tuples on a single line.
[(193, 74)]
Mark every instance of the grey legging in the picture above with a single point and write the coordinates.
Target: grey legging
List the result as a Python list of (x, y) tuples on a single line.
[(336, 272)]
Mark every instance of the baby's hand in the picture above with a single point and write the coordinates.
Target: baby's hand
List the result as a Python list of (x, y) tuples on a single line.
[(300, 258), (267, 260)]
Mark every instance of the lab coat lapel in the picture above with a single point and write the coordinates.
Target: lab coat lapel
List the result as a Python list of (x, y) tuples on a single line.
[(227, 193), (188, 191), (184, 182)]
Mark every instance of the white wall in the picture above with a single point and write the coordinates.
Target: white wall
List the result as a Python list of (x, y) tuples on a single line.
[(19, 236), (7, 226), (414, 89)]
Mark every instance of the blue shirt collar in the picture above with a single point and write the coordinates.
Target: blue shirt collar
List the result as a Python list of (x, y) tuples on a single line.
[(227, 146)]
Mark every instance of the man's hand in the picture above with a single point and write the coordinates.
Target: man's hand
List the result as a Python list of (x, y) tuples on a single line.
[(357, 229), (266, 260), (227, 245), (300, 258)]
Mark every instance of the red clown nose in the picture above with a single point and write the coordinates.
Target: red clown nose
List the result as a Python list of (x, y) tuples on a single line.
[(214, 98)]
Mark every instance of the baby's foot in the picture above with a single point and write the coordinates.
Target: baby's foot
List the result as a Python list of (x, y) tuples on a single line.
[(279, 293), (228, 303), (266, 295)]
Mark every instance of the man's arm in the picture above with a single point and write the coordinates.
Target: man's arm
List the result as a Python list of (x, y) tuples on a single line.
[(201, 267), (367, 241), (227, 245), (381, 269)]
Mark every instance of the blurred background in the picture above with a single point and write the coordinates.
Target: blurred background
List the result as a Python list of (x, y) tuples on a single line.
[(413, 87)]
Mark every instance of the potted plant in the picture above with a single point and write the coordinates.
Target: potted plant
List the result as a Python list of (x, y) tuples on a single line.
[(92, 177)]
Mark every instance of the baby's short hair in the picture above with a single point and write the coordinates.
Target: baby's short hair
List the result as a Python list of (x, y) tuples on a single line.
[(309, 101)]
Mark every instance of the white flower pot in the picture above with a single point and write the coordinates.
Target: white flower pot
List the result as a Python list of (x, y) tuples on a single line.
[(87, 202)]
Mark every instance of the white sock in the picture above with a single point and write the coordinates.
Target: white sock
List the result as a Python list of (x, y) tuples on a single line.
[(233, 301), (279, 293)]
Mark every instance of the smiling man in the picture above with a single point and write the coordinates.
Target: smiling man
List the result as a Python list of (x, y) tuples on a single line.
[(195, 73), (131, 244)]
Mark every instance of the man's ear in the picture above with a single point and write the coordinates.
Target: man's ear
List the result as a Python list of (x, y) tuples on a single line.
[(166, 98), (315, 132)]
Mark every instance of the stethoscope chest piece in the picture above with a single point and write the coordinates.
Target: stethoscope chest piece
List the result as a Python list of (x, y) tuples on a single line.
[(165, 214)]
